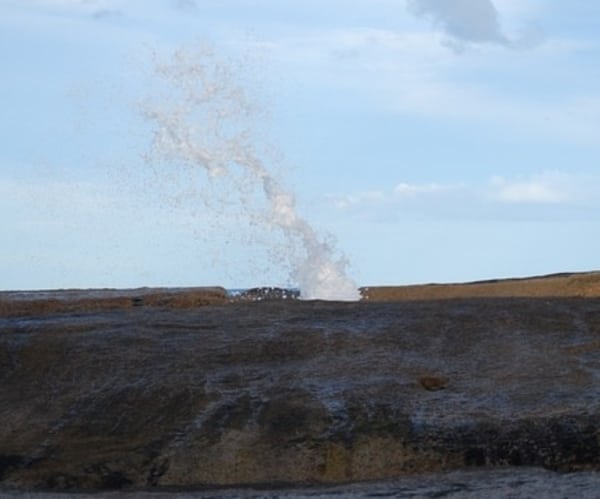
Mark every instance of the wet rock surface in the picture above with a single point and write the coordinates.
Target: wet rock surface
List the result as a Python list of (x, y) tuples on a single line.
[(265, 293), (293, 392), (494, 483)]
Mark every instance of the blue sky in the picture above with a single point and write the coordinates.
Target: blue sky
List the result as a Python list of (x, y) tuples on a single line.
[(434, 140)]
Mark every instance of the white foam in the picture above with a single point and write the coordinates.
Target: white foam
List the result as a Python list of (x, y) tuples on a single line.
[(205, 123)]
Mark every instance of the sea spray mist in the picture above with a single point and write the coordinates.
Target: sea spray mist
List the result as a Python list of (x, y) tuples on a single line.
[(207, 124)]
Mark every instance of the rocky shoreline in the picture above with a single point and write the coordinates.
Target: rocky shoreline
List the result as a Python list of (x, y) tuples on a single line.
[(191, 389), (24, 303)]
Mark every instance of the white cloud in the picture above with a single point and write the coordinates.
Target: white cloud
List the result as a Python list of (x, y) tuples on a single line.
[(404, 189), (541, 195), (401, 192), (545, 188), (358, 199), (411, 73)]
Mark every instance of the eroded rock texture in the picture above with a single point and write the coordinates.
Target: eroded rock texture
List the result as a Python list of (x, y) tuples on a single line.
[(286, 391)]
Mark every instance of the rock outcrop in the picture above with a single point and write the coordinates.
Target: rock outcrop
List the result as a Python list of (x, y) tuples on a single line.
[(289, 392), (31, 303), (584, 284)]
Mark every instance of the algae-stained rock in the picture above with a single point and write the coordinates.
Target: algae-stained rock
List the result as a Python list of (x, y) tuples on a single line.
[(584, 284), (296, 392), (31, 303)]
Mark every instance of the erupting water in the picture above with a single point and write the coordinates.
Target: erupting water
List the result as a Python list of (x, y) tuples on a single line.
[(206, 125)]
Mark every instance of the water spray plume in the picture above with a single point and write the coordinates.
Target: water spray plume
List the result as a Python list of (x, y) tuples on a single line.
[(207, 124)]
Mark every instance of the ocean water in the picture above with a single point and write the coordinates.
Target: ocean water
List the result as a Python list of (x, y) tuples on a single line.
[(489, 484)]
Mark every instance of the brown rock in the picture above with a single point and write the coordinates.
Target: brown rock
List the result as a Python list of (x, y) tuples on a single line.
[(557, 285), (433, 383), (30, 303)]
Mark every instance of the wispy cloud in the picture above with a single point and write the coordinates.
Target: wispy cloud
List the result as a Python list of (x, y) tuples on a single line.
[(533, 190), (358, 199), (467, 20), (184, 4), (52, 202), (413, 190), (472, 22), (498, 197), (97, 9), (410, 73), (106, 13), (63, 3), (401, 193)]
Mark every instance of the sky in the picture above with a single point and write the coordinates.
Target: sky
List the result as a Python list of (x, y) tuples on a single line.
[(428, 140)]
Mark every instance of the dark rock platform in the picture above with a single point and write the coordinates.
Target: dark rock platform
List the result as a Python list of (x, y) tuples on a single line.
[(294, 392)]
